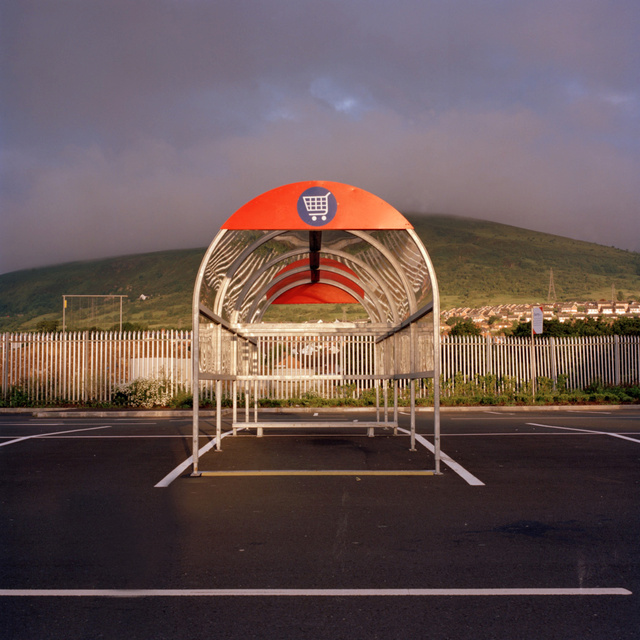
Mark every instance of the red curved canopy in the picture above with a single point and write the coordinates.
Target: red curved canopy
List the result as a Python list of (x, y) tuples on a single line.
[(308, 292), (283, 208), (316, 293)]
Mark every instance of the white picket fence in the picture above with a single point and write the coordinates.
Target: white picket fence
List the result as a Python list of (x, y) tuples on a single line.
[(89, 367)]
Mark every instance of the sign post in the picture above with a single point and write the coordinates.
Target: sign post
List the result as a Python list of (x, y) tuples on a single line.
[(537, 327)]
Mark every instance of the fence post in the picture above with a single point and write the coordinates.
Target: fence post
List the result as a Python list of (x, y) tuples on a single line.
[(85, 347), (5, 367), (488, 366), (532, 364), (554, 362), (616, 360)]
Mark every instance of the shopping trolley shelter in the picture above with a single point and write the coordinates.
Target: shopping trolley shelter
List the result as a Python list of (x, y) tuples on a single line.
[(315, 242)]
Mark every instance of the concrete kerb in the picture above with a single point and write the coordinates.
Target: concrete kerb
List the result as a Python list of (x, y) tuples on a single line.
[(52, 412)]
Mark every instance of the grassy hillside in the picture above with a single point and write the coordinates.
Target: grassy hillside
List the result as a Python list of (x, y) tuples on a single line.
[(166, 278), (477, 263), (480, 263)]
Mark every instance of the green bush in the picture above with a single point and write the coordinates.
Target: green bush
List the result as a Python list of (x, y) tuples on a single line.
[(181, 400), (142, 392), (17, 397)]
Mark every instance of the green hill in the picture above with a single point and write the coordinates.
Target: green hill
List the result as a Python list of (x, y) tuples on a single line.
[(165, 277), (481, 263), (477, 263)]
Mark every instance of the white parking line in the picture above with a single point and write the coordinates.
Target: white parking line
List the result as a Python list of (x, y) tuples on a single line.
[(30, 424), (450, 462), (181, 468), (598, 413), (334, 593), (55, 433), (599, 433)]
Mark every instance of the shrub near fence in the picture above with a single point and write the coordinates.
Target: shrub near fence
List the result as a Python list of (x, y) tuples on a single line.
[(93, 367)]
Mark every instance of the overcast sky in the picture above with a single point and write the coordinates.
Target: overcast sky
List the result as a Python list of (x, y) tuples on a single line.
[(141, 125)]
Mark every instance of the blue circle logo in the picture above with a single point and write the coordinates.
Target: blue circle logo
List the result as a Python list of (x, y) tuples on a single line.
[(317, 206)]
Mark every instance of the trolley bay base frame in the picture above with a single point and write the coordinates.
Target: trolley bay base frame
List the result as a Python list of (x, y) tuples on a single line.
[(306, 434), (259, 427), (318, 472)]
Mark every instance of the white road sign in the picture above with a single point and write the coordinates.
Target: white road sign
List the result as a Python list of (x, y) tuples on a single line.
[(537, 318)]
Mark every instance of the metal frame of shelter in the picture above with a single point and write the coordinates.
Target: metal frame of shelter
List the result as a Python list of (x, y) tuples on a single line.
[(318, 242)]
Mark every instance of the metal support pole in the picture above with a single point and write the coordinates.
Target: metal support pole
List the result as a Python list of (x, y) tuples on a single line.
[(234, 418), (255, 401), (234, 384), (218, 415), (412, 386), (195, 391), (395, 406), (436, 401), (247, 399), (385, 393)]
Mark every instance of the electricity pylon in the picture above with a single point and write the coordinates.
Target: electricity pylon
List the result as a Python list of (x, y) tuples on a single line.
[(551, 296)]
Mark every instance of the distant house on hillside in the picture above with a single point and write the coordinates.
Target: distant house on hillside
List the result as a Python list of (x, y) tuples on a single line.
[(613, 309), (568, 309)]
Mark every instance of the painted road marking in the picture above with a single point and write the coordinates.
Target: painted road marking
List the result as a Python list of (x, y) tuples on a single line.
[(122, 437), (569, 415), (336, 593), (598, 433), (30, 424), (526, 433), (598, 413), (79, 422), (181, 468), (450, 462), (320, 472), (56, 433)]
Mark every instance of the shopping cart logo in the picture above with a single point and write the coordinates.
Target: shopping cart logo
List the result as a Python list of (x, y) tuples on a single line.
[(317, 206)]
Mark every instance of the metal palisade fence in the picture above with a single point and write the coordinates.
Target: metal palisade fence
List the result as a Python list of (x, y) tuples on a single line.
[(574, 362), (93, 366)]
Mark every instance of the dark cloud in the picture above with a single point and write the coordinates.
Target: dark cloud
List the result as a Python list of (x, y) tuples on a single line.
[(134, 126)]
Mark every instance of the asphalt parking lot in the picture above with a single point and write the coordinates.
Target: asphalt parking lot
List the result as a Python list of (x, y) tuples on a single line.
[(531, 531)]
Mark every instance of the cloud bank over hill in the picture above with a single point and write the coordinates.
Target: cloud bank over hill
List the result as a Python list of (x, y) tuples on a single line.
[(132, 127)]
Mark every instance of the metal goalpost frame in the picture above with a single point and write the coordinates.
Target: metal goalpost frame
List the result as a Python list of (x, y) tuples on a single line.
[(67, 296), (267, 253)]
